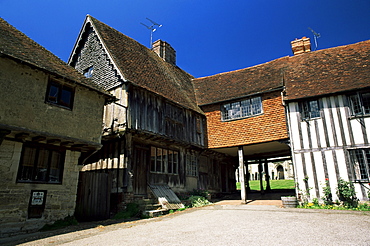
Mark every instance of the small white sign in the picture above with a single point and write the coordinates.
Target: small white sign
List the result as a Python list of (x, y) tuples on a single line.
[(37, 198)]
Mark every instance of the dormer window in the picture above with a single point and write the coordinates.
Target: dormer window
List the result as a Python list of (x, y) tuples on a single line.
[(89, 72), (60, 94)]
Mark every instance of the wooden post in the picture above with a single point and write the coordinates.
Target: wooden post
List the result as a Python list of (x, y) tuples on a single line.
[(260, 176), (242, 175), (267, 176)]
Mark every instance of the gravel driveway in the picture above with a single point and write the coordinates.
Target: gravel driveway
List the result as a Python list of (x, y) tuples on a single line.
[(230, 225)]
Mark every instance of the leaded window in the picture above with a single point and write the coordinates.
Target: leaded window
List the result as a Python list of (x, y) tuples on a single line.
[(309, 109), (242, 109), (359, 103), (360, 164)]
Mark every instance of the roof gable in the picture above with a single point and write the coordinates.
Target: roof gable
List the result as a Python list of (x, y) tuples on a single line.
[(17, 45), (142, 67)]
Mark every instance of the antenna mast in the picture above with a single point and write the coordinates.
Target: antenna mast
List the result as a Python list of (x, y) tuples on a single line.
[(315, 36), (152, 29)]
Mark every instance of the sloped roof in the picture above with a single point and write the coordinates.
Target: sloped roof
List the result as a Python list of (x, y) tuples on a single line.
[(239, 83), (144, 68), (17, 45), (328, 71), (310, 74)]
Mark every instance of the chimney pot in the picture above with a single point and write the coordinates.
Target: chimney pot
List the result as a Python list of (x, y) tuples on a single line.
[(300, 46), (165, 51)]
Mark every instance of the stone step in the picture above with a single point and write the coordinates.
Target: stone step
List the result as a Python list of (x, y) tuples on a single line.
[(155, 213)]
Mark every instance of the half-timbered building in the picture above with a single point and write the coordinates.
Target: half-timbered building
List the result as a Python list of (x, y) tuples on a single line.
[(328, 106), (245, 115), (155, 134), (49, 115)]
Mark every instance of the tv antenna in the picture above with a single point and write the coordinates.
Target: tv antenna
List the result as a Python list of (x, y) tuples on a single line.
[(315, 36), (152, 29)]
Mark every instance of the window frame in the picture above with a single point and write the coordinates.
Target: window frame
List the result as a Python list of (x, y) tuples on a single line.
[(88, 72), (43, 156), (57, 98), (360, 109), (161, 159), (191, 165), (360, 164), (245, 108), (306, 112)]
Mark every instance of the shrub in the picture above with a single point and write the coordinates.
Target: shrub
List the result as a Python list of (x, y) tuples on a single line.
[(198, 201), (328, 196), (347, 194), (59, 224), (132, 209)]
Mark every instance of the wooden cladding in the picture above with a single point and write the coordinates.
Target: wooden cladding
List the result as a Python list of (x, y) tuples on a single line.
[(149, 112)]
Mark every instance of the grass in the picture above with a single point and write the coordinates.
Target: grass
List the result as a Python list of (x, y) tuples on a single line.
[(274, 184)]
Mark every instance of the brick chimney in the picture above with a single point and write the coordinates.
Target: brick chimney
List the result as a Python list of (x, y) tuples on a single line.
[(300, 46), (165, 51)]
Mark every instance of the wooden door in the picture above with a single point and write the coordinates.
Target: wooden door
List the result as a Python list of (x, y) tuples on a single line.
[(140, 170), (93, 196)]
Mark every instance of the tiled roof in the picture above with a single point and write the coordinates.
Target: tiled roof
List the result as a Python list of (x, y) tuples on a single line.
[(239, 83), (144, 68), (17, 45), (309, 74), (328, 71)]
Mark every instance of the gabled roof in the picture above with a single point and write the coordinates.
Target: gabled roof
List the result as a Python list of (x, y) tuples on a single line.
[(17, 45), (240, 83), (328, 71), (311, 74), (142, 67)]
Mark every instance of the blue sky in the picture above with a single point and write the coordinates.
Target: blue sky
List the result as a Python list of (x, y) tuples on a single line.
[(209, 36)]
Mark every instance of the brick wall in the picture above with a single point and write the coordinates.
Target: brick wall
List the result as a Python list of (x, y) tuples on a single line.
[(269, 126)]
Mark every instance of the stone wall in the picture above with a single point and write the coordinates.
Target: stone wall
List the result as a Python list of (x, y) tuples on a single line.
[(15, 197)]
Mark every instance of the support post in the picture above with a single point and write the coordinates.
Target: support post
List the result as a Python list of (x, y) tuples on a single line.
[(260, 176), (267, 176), (243, 190)]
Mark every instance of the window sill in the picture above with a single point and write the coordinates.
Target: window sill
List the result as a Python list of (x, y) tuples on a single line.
[(241, 118), (58, 105), (37, 182), (359, 116)]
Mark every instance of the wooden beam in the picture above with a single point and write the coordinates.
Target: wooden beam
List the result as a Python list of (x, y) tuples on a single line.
[(53, 141), (242, 175), (38, 139), (22, 136)]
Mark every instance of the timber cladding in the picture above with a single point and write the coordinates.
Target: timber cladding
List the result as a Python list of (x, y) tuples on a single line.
[(269, 126)]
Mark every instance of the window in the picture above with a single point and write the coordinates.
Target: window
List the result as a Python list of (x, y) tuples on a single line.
[(164, 160), (361, 164), (89, 72), (59, 94), (41, 164), (191, 165), (242, 109), (359, 103), (309, 109)]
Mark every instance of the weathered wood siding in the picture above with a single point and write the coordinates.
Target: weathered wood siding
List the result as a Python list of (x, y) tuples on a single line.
[(320, 145), (154, 114)]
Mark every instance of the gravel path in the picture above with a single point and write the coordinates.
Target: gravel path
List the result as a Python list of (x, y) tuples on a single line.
[(230, 225)]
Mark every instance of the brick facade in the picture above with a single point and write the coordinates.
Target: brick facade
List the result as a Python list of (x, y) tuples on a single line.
[(269, 126)]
